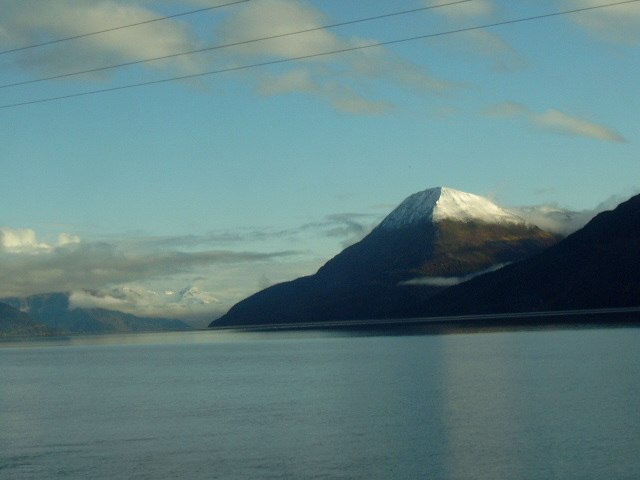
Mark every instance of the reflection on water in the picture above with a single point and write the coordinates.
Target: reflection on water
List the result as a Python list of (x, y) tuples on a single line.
[(323, 404), (542, 405)]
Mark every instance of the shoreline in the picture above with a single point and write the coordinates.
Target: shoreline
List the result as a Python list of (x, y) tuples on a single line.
[(606, 317)]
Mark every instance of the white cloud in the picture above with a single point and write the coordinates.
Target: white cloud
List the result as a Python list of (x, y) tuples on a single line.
[(19, 240), (435, 281), (268, 18), (24, 240)]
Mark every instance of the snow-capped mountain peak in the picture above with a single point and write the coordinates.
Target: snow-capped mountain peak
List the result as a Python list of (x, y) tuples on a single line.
[(436, 204)]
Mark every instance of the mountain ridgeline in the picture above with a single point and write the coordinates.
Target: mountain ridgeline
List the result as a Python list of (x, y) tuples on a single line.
[(440, 252), (54, 310), (597, 267), (436, 234)]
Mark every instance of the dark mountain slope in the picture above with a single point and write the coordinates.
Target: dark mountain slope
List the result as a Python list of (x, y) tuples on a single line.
[(358, 283), (595, 267), (13, 322)]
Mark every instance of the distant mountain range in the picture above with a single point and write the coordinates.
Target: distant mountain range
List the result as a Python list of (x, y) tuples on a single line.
[(14, 322), (432, 240), (54, 310), (440, 252)]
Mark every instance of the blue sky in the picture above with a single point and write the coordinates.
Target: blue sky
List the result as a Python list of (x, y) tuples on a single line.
[(232, 181)]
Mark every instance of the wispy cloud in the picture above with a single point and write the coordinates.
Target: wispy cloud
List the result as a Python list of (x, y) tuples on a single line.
[(480, 43), (349, 227), (448, 281), (505, 110), (340, 95), (337, 78), (559, 122), (616, 24), (504, 58), (560, 221), (551, 218), (556, 121), (346, 81)]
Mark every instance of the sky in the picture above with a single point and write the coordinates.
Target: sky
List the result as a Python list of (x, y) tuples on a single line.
[(129, 165)]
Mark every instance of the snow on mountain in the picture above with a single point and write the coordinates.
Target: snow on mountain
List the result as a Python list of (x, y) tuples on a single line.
[(436, 204), (144, 302), (194, 296)]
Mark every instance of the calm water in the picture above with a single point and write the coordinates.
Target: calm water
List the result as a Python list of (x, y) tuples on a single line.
[(197, 405)]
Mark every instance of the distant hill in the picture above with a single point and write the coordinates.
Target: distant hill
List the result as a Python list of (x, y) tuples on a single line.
[(13, 322), (434, 237), (595, 267), (54, 310)]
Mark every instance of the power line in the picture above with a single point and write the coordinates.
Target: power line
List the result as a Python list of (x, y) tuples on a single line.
[(315, 55), (235, 44), (121, 27)]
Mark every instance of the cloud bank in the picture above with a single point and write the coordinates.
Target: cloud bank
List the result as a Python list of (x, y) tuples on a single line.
[(174, 276), (191, 304), (30, 266)]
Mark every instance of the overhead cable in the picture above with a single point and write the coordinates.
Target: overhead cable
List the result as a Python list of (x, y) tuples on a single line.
[(235, 44), (315, 55)]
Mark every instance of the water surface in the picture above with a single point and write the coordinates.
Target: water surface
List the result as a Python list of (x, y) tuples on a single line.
[(535, 404)]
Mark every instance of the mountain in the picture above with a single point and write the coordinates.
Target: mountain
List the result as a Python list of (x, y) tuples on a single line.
[(54, 309), (436, 234), (13, 322), (598, 266)]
